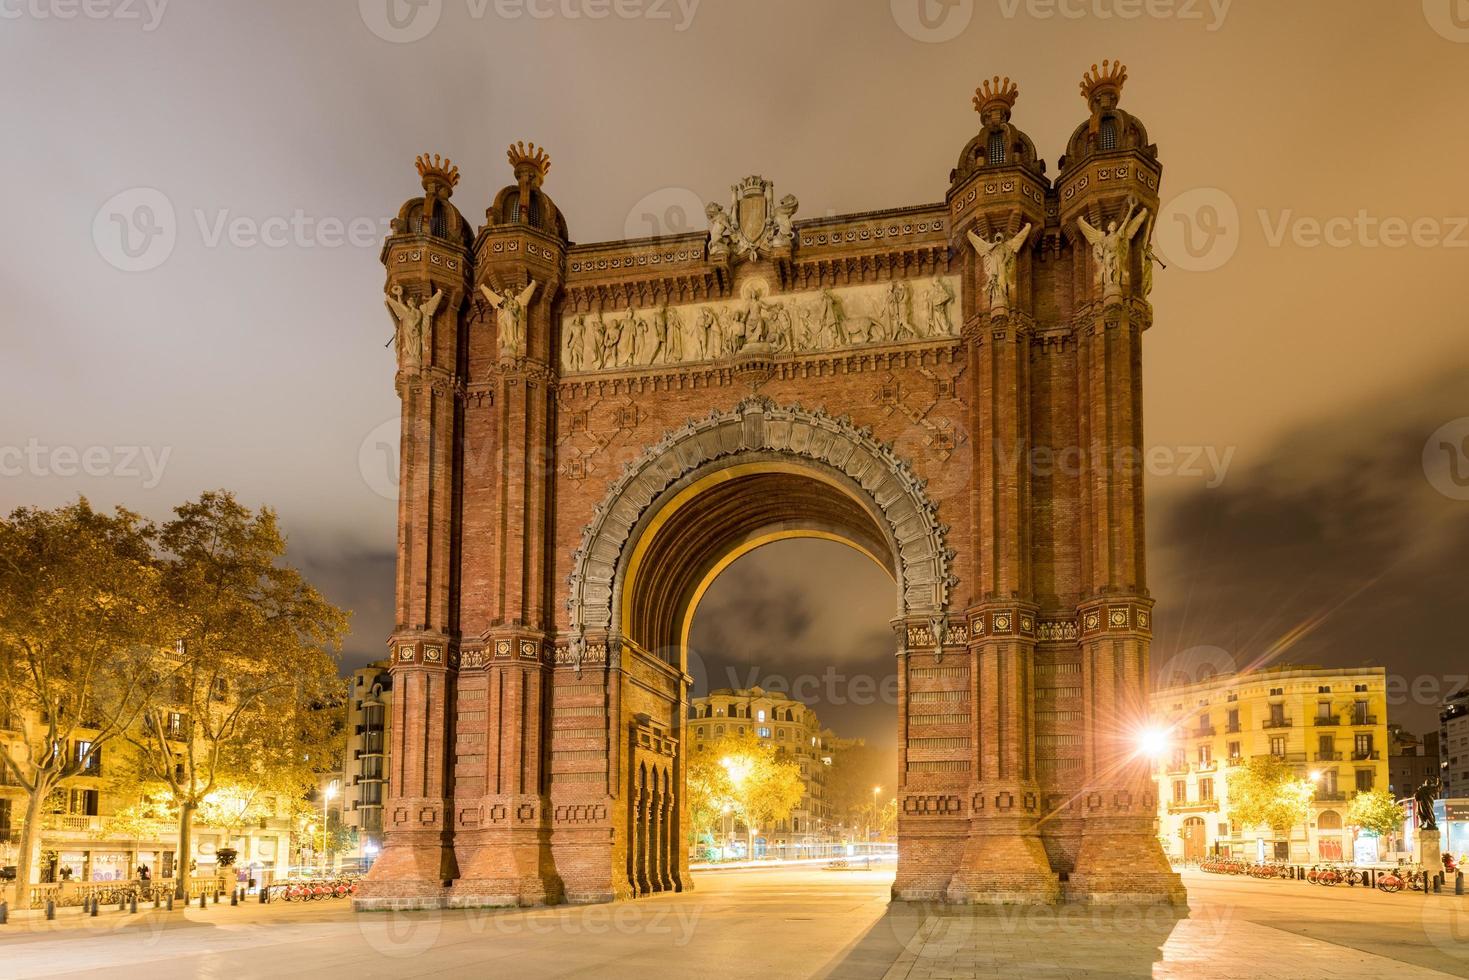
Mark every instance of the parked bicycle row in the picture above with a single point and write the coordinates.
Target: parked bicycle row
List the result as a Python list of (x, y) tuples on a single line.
[(311, 890), (1387, 880)]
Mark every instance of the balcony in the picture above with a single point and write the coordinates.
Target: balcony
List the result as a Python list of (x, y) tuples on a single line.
[(1196, 806), (1210, 766), (1232, 728), (1276, 723), (1371, 756), (1364, 720), (1330, 796), (1328, 721), (1206, 732), (1177, 768), (1328, 756)]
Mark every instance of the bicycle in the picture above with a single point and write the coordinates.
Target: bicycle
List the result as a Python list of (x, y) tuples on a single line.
[(1389, 881)]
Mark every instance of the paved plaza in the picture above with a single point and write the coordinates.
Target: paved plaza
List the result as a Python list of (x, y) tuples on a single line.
[(776, 924)]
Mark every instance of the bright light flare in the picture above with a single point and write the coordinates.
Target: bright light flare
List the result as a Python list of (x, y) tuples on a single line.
[(1153, 741)]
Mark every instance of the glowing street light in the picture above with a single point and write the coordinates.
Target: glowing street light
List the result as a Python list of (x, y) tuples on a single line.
[(1152, 741)]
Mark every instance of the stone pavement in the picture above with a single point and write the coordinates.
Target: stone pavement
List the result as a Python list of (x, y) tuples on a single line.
[(775, 924)]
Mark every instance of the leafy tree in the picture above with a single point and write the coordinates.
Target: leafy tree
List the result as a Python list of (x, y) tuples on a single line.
[(709, 794), (81, 620), (1266, 792), (854, 770), (1376, 812), (763, 785), (254, 662)]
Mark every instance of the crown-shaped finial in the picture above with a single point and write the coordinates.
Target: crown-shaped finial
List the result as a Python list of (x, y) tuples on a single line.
[(530, 158), (437, 170), (996, 93), (1108, 78)]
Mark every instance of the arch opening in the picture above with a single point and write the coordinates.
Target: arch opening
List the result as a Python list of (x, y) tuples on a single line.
[(712, 519)]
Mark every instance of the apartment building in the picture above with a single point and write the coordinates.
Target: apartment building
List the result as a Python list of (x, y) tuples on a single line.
[(1330, 724)]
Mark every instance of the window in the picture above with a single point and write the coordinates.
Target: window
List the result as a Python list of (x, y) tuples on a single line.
[(1362, 745), (1326, 747), (1204, 721), (760, 715), (1359, 713), (1360, 689), (1206, 790), (1180, 791), (1107, 139), (1276, 692), (1234, 750), (1180, 759), (780, 733), (1233, 719), (1364, 780), (718, 729), (1206, 756), (1277, 746), (763, 731), (997, 146), (1323, 709), (1328, 781)]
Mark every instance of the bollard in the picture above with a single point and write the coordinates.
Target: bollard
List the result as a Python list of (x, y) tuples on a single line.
[(235, 897), (1459, 883), (95, 904), (133, 904), (1437, 884), (4, 913), (122, 903), (50, 909), (170, 901), (203, 900), (157, 900), (264, 895)]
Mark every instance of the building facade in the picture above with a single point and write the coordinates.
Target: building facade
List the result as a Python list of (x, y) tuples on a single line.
[(1330, 724), (1412, 760), (1453, 746), (791, 727), (96, 831), (591, 431), (365, 768)]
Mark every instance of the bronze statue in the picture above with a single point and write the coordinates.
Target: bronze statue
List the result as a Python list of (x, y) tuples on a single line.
[(1424, 798)]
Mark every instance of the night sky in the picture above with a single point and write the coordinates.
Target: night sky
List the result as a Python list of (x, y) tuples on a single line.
[(1329, 374)]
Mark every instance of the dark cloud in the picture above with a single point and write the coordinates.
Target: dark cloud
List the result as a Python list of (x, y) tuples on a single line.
[(1330, 546)]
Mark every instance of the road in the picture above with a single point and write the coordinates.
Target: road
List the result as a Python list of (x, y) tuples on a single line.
[(775, 924)]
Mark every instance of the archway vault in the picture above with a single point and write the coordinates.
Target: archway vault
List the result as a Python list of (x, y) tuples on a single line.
[(721, 486)]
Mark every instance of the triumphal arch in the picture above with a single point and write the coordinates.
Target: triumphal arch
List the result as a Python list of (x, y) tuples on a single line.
[(591, 431)]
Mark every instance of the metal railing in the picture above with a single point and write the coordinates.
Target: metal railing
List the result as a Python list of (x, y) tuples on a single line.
[(1328, 721)]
